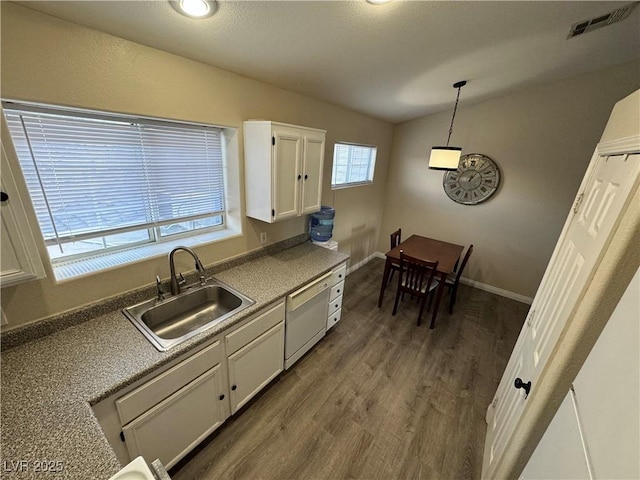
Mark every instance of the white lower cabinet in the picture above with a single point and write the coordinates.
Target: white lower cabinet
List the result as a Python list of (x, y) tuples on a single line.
[(168, 413), (177, 424), (254, 363)]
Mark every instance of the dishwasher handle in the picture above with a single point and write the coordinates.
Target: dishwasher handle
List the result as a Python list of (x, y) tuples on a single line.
[(306, 293)]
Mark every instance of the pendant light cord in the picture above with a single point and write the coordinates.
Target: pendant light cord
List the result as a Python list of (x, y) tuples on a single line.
[(454, 113)]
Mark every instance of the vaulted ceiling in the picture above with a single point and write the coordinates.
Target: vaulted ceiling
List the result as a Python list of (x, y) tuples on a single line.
[(394, 61)]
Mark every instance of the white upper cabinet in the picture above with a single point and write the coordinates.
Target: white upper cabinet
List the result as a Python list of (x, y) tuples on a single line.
[(19, 259), (283, 170)]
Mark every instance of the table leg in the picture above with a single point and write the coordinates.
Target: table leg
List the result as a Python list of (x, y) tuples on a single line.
[(385, 280), (443, 278)]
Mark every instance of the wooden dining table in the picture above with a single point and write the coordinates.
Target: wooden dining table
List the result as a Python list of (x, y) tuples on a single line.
[(425, 248)]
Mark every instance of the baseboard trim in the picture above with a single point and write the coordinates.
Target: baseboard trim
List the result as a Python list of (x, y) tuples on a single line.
[(498, 291), (475, 284), (362, 263)]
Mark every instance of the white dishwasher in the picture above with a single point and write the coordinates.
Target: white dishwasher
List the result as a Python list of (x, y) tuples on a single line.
[(306, 318)]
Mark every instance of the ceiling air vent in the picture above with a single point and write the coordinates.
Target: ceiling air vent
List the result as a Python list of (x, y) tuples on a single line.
[(601, 21)]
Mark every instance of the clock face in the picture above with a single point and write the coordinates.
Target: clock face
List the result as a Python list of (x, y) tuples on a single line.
[(476, 179)]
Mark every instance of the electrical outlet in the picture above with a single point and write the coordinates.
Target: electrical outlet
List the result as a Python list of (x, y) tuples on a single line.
[(263, 237)]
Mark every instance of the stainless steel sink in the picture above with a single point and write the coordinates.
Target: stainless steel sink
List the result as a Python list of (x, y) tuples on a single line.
[(167, 323)]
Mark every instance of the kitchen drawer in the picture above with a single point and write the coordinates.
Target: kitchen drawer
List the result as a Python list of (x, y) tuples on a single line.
[(336, 291), (154, 391), (339, 274), (254, 328), (334, 305), (333, 319)]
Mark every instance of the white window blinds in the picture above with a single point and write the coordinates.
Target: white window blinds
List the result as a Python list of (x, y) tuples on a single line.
[(352, 165), (93, 175)]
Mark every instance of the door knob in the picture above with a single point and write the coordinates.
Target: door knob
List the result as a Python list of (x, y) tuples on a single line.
[(525, 386), (3, 197)]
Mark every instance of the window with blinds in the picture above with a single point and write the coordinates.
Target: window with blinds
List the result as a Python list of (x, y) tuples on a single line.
[(102, 183), (352, 165)]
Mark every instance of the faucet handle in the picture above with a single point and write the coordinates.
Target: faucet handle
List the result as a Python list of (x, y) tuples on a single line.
[(159, 288), (181, 280), (200, 270)]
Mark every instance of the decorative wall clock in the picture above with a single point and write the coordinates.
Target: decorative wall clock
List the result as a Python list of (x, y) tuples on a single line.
[(476, 179)]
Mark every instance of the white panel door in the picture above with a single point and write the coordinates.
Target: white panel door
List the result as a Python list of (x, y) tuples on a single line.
[(605, 193), (287, 178), (313, 160), (602, 201), (502, 416)]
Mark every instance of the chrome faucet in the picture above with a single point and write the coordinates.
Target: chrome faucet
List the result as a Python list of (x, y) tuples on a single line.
[(175, 284)]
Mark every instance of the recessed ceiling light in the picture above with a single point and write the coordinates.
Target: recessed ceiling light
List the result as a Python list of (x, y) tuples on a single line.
[(378, 2), (195, 8)]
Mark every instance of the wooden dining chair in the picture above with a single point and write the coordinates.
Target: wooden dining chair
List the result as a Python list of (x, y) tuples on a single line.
[(453, 280), (416, 277), (396, 238)]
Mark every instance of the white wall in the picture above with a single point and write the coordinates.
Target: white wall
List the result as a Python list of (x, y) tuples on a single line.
[(542, 139)]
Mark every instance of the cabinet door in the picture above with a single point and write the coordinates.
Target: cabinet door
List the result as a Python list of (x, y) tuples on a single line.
[(253, 366), (172, 428), (19, 258), (313, 161), (287, 177)]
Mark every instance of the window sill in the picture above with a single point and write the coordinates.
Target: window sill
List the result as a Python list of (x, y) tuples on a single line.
[(349, 185), (78, 268)]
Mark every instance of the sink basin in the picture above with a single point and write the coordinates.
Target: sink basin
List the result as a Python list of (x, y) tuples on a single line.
[(167, 323), (136, 470)]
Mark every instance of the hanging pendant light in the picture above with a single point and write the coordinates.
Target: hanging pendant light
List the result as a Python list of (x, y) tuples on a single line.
[(447, 158)]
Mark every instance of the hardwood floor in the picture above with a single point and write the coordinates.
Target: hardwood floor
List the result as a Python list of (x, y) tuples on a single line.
[(378, 397)]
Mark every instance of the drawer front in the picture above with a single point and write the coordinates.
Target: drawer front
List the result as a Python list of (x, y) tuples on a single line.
[(333, 319), (336, 291), (254, 328), (154, 391), (336, 304), (339, 274)]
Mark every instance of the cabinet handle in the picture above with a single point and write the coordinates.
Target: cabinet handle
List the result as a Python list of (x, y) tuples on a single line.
[(222, 397), (3, 197), (336, 305), (338, 291), (299, 177), (306, 176), (234, 387)]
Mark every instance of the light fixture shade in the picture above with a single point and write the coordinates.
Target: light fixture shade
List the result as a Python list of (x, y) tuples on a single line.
[(445, 158)]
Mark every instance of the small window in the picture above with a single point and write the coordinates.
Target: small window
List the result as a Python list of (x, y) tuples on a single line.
[(102, 184), (352, 165)]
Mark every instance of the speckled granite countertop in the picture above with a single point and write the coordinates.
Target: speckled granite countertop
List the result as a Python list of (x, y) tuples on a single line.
[(50, 384)]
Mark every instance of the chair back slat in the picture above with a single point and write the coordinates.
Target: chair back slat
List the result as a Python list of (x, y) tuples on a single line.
[(416, 279), (416, 275)]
